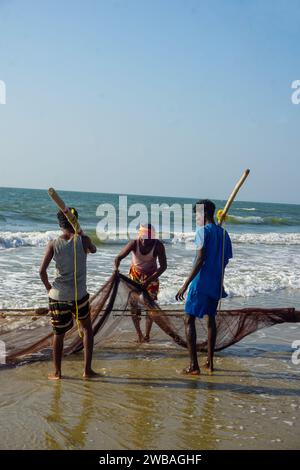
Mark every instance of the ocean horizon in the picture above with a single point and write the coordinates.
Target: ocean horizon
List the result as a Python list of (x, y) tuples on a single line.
[(237, 199)]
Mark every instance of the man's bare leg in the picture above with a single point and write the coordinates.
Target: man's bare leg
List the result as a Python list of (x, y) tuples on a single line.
[(58, 345), (88, 344), (212, 334), (136, 318), (191, 337), (149, 323)]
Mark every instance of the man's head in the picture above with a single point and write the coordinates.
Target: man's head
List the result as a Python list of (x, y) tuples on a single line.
[(205, 210), (63, 221), (146, 232)]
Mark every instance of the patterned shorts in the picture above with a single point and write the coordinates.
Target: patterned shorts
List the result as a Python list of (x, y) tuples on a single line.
[(152, 288), (63, 313)]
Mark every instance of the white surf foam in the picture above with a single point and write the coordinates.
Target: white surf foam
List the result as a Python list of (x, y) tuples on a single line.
[(269, 238), (21, 239), (18, 239)]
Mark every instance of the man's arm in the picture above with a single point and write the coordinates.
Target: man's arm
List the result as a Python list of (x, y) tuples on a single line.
[(44, 266), (88, 246), (162, 260), (124, 252), (196, 268)]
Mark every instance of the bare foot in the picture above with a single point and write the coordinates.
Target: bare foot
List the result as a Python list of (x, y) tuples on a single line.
[(191, 371), (208, 367), (140, 339), (55, 376), (92, 374), (147, 339)]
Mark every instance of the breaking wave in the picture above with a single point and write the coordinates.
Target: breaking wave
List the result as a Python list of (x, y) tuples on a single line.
[(10, 240)]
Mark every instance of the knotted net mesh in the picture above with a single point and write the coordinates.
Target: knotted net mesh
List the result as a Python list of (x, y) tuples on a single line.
[(26, 335)]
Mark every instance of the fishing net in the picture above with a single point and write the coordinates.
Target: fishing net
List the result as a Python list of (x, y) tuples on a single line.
[(26, 335)]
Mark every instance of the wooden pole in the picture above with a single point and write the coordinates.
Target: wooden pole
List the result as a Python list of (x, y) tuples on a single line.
[(61, 205), (233, 194)]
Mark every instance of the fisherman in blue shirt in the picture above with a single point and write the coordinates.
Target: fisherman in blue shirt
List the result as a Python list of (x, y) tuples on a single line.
[(205, 282)]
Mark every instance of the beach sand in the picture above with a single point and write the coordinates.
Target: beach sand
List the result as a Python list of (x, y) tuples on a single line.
[(251, 402)]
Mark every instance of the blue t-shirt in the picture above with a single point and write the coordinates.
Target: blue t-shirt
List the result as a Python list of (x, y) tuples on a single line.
[(208, 279)]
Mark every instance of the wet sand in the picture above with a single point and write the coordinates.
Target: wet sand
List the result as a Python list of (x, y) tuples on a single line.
[(251, 402)]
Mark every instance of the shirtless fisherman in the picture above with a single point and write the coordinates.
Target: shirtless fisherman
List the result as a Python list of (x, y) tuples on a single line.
[(146, 251)]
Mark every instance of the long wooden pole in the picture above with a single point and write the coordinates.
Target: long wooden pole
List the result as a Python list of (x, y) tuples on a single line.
[(233, 194), (62, 206)]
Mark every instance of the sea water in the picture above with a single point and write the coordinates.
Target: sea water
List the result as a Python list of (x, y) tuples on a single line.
[(266, 242)]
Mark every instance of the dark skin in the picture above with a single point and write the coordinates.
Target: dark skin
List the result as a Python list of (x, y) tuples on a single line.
[(145, 246), (190, 326), (86, 325)]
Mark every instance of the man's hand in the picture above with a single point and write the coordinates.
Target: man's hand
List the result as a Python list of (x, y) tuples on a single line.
[(117, 262), (48, 287), (181, 292)]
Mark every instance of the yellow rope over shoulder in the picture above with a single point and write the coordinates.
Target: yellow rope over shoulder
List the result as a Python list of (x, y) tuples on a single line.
[(219, 216), (223, 269), (75, 274), (75, 284)]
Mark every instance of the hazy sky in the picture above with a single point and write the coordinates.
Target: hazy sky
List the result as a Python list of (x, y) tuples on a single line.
[(164, 97)]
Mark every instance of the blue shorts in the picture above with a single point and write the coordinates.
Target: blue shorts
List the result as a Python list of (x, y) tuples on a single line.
[(198, 305)]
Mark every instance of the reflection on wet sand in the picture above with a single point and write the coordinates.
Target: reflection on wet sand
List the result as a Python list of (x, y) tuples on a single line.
[(251, 402), (73, 434)]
